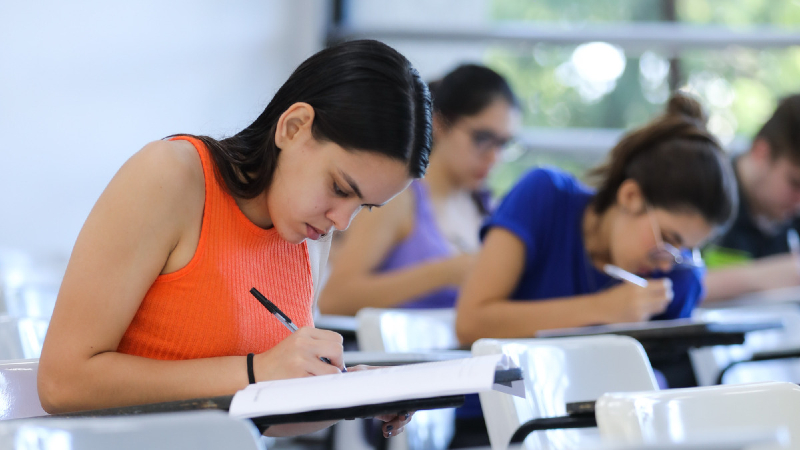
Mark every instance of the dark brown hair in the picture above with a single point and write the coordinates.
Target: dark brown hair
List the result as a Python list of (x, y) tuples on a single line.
[(677, 163), (782, 130), (366, 97), (467, 90)]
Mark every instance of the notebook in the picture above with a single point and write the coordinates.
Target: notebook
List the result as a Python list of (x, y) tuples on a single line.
[(379, 386)]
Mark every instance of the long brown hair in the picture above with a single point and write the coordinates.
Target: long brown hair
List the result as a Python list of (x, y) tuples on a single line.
[(677, 163)]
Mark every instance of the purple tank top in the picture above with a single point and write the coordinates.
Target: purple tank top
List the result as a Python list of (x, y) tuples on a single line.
[(424, 243)]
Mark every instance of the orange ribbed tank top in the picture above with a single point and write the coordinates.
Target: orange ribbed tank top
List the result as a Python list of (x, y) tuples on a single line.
[(205, 309)]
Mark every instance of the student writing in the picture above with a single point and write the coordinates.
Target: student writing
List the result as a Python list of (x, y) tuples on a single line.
[(155, 304), (665, 188)]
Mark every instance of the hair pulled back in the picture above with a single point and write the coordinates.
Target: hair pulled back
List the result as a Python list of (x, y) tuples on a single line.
[(366, 97), (676, 162)]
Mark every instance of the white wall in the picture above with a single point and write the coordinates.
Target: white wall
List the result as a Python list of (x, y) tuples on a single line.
[(86, 83)]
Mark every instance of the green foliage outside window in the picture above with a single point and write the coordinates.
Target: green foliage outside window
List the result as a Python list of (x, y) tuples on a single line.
[(739, 87)]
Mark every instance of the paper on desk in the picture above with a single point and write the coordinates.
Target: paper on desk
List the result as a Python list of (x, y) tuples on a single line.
[(368, 387)]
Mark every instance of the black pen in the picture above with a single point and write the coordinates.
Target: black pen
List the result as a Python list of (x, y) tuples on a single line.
[(282, 318)]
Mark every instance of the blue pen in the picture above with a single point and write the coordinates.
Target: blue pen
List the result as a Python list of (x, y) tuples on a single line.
[(282, 318)]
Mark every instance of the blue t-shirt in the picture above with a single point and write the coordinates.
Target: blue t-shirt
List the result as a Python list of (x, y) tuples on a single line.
[(545, 210)]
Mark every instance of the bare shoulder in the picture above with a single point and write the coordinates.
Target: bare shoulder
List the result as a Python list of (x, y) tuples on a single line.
[(174, 165), (162, 185)]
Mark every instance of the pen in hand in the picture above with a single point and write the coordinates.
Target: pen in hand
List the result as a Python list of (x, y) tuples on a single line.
[(282, 318), (622, 274)]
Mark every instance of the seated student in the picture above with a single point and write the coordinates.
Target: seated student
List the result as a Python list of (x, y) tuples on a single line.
[(415, 251), (665, 186), (753, 254), (155, 304)]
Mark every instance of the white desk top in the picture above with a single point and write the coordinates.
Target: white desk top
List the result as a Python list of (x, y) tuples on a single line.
[(771, 297)]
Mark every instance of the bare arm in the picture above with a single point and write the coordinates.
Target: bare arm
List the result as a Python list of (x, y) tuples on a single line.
[(354, 282), (758, 275), (144, 223), (485, 311)]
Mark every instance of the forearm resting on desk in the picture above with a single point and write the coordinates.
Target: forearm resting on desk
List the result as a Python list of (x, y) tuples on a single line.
[(523, 319), (758, 275), (112, 379)]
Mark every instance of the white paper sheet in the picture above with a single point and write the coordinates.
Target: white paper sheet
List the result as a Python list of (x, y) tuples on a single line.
[(415, 381)]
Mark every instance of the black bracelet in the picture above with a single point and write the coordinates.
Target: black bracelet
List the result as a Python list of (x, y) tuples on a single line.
[(251, 375)]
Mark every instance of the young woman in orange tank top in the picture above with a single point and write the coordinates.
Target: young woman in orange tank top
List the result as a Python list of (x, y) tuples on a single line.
[(155, 303)]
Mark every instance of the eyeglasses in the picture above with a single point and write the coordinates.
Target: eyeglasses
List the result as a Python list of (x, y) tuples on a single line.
[(665, 252), (486, 141)]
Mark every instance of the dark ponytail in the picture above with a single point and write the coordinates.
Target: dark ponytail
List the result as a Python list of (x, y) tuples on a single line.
[(677, 163), (366, 97)]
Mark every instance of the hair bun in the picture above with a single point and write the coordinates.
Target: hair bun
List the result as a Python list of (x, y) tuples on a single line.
[(682, 104)]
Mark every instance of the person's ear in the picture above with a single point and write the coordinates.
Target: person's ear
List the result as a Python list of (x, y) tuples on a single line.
[(294, 124), (630, 198)]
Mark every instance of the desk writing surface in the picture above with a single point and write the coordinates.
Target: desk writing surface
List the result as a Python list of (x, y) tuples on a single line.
[(464, 377), (667, 341), (787, 295), (262, 423), (664, 329)]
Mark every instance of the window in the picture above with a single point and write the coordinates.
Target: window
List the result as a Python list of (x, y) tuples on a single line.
[(585, 71)]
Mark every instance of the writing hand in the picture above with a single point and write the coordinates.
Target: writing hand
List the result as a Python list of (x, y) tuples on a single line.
[(630, 303), (299, 356)]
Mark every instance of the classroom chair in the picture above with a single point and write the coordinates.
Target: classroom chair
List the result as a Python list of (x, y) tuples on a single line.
[(728, 364), (406, 330), (677, 415), (412, 330), (197, 430), (778, 438), (18, 392), (558, 371)]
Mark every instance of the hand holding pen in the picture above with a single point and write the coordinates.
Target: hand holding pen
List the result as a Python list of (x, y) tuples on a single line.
[(636, 299), (316, 334)]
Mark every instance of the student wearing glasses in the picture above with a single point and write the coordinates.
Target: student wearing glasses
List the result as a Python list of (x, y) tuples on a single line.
[(415, 251), (665, 189)]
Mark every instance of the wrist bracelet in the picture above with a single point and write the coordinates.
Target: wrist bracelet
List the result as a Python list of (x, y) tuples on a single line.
[(251, 375)]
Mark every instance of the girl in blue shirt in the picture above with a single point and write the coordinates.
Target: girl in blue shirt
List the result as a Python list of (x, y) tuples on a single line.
[(666, 188)]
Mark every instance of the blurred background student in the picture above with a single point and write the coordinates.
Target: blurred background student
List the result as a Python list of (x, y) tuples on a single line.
[(664, 189), (756, 252), (415, 251)]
